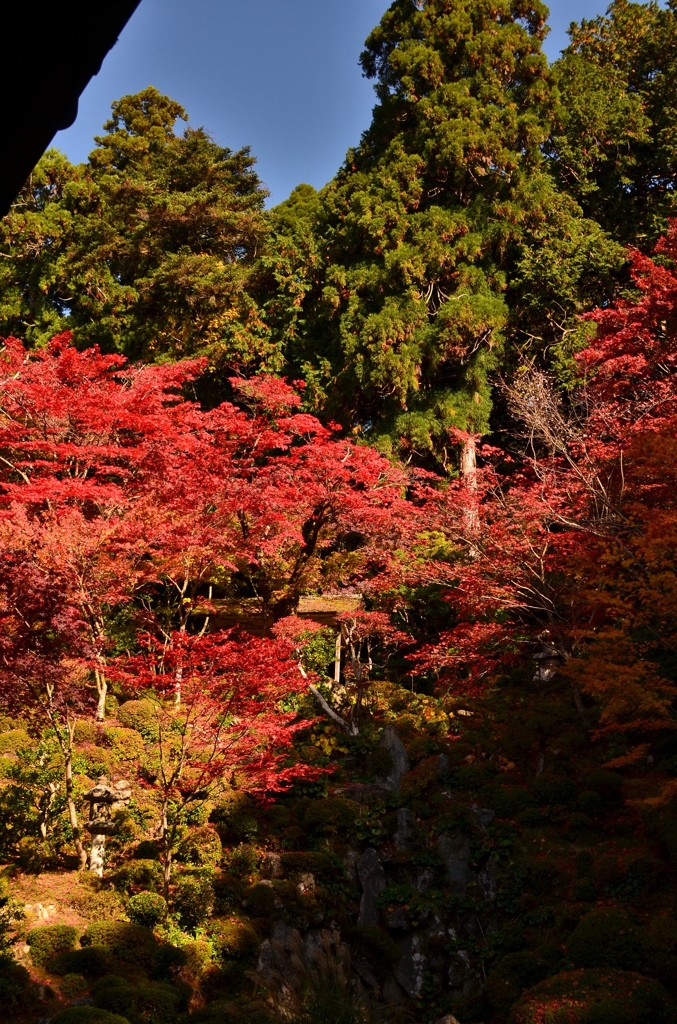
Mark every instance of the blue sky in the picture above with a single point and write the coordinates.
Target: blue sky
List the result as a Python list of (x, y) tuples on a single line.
[(281, 76)]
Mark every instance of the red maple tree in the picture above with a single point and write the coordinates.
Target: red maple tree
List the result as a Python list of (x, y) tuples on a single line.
[(229, 730)]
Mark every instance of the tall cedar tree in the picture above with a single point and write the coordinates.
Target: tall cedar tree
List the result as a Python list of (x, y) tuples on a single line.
[(147, 249), (614, 140), (443, 228)]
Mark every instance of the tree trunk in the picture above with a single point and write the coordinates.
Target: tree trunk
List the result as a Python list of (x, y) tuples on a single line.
[(102, 691), (167, 844), (471, 516), (70, 799)]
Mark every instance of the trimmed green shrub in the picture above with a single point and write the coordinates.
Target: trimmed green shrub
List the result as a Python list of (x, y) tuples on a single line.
[(153, 1002), (607, 937), (592, 997), (243, 860), (138, 876), (147, 908), (236, 821), (130, 943), (34, 855), (87, 1015), (108, 981), (167, 962), (87, 731), (513, 973), (330, 815), (200, 847), (260, 899), (73, 986), (321, 863), (193, 899), (46, 941), (14, 740), (15, 986), (126, 745), (90, 961), (147, 849), (554, 790), (226, 1011), (609, 785), (140, 715), (233, 938)]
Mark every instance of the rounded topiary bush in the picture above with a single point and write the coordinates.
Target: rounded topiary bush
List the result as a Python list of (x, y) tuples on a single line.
[(129, 943), (592, 997), (14, 740), (87, 731), (511, 975), (90, 961), (88, 1015), (243, 860), (15, 986), (140, 715), (147, 908), (233, 938), (34, 855), (47, 941), (236, 821), (607, 937), (608, 784), (193, 899), (226, 1011), (73, 986), (330, 815), (554, 790), (125, 745), (138, 876), (153, 1002), (200, 847)]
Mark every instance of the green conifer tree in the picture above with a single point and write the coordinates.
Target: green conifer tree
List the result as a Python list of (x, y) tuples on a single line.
[(155, 243), (614, 140), (430, 229)]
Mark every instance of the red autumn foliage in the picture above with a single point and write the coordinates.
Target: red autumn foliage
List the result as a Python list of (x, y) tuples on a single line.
[(576, 548)]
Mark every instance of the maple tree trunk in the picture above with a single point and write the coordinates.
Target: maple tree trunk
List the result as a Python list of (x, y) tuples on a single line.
[(167, 843), (102, 691), (70, 796)]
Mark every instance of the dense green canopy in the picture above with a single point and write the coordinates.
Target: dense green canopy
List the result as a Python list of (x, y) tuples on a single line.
[(147, 248), (444, 229)]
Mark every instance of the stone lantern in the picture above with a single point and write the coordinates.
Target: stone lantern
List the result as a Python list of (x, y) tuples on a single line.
[(105, 798)]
